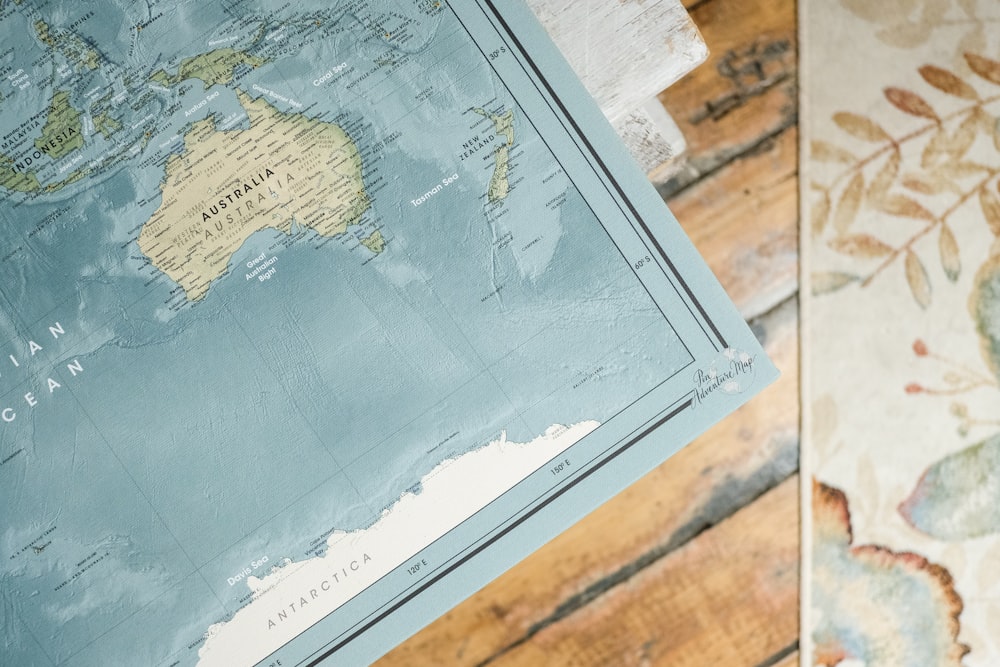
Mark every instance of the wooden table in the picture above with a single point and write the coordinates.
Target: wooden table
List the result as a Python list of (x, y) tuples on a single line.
[(696, 564)]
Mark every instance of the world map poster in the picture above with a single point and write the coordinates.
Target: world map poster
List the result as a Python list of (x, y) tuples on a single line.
[(315, 317)]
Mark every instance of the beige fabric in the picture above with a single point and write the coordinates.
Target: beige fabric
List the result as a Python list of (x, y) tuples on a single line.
[(901, 332)]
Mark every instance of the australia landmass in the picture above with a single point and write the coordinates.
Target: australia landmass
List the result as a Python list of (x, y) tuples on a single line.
[(227, 185)]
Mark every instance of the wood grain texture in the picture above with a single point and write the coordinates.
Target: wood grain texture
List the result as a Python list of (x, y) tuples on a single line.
[(600, 593), (744, 221), (624, 51), (722, 599), (745, 93), (792, 660), (728, 467)]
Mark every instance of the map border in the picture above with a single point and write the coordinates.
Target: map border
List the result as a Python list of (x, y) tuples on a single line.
[(713, 334)]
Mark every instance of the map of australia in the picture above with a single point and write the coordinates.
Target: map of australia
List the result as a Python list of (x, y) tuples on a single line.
[(225, 186), (361, 322)]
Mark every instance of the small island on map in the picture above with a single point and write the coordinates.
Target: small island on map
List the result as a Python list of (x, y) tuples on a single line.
[(374, 242), (75, 49), (228, 185), (504, 125), (214, 67)]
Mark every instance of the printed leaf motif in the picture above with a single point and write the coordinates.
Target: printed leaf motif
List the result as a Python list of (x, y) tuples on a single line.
[(951, 260), (948, 82), (990, 204), (877, 607), (986, 122), (958, 498), (973, 41), (960, 170), (959, 143), (932, 183), (984, 67), (824, 151), (911, 103), (825, 282), (906, 207), (984, 306), (860, 127), (820, 214), (916, 277), (863, 246), (849, 203), (879, 187), (935, 148)]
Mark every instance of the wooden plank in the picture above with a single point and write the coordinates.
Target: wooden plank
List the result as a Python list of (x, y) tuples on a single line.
[(744, 93), (744, 221), (625, 53), (790, 661), (729, 597), (743, 217), (726, 468)]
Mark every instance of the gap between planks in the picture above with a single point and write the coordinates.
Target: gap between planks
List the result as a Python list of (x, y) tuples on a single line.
[(683, 611)]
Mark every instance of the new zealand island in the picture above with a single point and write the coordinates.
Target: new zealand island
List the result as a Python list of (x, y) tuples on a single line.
[(226, 185)]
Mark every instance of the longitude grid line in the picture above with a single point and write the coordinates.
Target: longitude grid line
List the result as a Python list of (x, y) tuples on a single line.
[(368, 623), (343, 15), (589, 206), (640, 428), (133, 480), (156, 512), (488, 368), (609, 176), (160, 279), (288, 394), (26, 326), (641, 282), (38, 643), (605, 451), (484, 367)]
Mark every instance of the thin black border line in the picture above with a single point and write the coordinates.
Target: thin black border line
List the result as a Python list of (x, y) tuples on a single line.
[(588, 465), (559, 161), (496, 537), (422, 587), (604, 167), (590, 462)]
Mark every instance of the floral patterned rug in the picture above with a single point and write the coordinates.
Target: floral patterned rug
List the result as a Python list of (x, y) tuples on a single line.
[(901, 332)]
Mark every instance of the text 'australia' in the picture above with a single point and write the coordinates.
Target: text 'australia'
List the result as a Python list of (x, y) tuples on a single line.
[(247, 187)]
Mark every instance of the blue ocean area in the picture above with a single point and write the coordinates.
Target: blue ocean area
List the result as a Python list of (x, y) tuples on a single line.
[(199, 437)]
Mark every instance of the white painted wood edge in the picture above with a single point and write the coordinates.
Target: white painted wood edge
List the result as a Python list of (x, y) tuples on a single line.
[(626, 52)]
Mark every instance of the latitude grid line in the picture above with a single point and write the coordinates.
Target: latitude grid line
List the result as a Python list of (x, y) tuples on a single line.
[(151, 290)]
